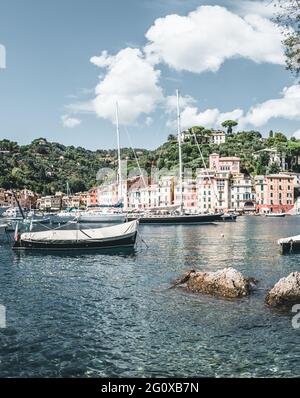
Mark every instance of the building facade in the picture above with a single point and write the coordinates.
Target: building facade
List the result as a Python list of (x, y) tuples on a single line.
[(243, 197), (274, 193), (224, 164)]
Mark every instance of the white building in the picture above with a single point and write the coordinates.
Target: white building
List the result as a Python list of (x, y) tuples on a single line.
[(243, 196), (218, 137), (50, 202), (275, 157)]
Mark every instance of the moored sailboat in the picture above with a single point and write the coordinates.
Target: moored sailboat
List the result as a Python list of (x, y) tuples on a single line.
[(177, 216)]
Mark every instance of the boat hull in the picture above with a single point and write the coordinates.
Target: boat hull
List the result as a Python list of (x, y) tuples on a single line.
[(275, 215), (185, 219)]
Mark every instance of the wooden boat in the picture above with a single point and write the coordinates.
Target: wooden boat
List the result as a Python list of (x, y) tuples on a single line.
[(116, 236), (290, 244)]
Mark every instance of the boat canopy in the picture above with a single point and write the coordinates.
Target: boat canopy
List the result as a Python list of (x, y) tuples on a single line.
[(76, 235), (289, 240)]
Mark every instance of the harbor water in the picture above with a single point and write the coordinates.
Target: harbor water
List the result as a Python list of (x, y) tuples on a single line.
[(113, 314)]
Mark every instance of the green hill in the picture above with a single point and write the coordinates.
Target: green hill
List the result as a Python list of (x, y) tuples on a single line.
[(45, 167)]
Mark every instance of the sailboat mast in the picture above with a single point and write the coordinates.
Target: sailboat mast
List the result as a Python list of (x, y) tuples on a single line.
[(119, 155), (180, 152)]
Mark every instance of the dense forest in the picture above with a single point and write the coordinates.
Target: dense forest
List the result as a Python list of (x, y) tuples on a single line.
[(46, 167)]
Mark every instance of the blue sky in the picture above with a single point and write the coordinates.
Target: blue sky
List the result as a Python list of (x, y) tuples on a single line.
[(48, 86)]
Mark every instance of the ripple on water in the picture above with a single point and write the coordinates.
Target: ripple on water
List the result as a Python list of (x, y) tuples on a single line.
[(93, 315)]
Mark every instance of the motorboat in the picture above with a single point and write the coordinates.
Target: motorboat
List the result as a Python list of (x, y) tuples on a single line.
[(229, 217), (65, 216), (101, 217), (275, 214), (115, 236), (12, 213)]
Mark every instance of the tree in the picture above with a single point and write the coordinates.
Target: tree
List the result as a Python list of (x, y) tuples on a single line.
[(171, 137), (229, 124), (274, 168), (288, 17), (280, 137), (271, 134)]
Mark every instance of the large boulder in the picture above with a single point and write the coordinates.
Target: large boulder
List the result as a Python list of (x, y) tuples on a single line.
[(227, 282), (286, 291)]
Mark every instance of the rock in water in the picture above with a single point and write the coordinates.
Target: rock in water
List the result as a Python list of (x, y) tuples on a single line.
[(228, 283), (286, 291)]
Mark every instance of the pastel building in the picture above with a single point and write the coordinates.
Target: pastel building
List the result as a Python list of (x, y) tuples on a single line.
[(189, 195), (224, 164), (274, 193), (160, 194), (242, 193), (213, 191)]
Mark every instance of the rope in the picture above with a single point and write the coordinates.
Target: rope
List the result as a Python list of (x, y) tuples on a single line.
[(135, 156), (142, 240), (291, 245)]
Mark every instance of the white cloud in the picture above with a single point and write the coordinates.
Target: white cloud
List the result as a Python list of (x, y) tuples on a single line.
[(296, 134), (205, 38), (264, 8), (70, 122), (191, 116), (131, 81), (288, 107)]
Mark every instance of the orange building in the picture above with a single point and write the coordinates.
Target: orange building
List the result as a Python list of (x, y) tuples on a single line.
[(274, 193)]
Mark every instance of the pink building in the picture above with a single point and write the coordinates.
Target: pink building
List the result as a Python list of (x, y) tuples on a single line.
[(274, 193), (189, 196), (224, 164), (213, 191)]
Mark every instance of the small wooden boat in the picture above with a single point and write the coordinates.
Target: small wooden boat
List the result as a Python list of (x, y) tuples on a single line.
[(275, 214), (117, 236), (290, 245)]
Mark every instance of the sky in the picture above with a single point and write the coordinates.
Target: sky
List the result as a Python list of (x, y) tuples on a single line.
[(67, 63)]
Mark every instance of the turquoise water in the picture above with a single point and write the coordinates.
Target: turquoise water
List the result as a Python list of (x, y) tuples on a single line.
[(94, 315)]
